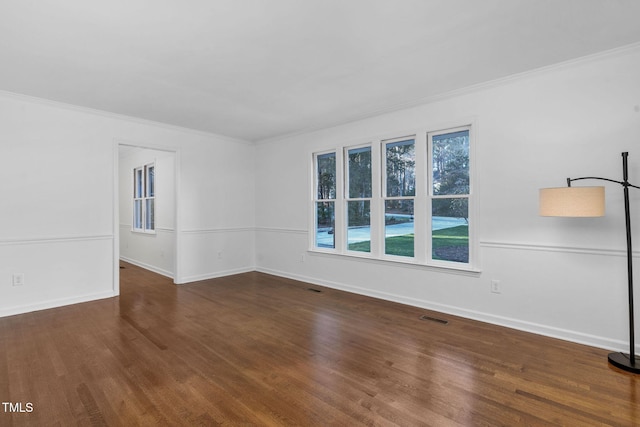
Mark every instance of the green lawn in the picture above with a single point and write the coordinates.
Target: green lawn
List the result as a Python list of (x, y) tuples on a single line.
[(403, 245), (360, 246), (454, 236), (399, 245)]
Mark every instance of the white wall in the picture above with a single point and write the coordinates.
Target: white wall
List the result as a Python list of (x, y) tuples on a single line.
[(153, 251), (241, 205), (58, 169), (560, 277)]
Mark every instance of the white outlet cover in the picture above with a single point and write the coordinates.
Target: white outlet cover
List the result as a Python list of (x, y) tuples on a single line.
[(18, 279)]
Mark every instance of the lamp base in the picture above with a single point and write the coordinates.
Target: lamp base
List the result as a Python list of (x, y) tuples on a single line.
[(623, 361)]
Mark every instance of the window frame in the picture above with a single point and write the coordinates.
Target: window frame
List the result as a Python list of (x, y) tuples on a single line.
[(384, 197), (422, 200), (144, 194), (335, 200), (348, 198), (472, 218)]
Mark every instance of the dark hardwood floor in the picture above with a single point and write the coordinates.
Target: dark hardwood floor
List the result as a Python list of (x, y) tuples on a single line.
[(254, 349)]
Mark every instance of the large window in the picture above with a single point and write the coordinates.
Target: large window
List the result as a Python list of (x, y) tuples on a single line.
[(406, 199), (144, 198), (359, 193), (399, 196), (449, 193), (325, 205)]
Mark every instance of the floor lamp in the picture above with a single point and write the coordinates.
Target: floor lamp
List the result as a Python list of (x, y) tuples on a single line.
[(589, 202)]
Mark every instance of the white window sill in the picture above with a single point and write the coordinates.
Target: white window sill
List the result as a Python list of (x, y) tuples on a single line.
[(144, 232), (463, 269)]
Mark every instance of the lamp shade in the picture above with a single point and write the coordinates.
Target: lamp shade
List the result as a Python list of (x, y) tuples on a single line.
[(572, 201)]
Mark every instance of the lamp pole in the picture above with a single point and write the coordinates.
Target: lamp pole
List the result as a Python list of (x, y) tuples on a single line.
[(628, 362)]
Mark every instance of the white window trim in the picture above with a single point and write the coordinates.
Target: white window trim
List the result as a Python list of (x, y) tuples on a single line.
[(422, 213), (143, 198), (347, 199), (315, 200), (416, 258), (473, 241)]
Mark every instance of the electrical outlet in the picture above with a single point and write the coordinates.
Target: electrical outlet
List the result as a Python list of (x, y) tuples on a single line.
[(495, 286), (219, 254), (18, 279), (302, 257)]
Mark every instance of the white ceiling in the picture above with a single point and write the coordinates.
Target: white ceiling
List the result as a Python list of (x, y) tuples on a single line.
[(256, 69)]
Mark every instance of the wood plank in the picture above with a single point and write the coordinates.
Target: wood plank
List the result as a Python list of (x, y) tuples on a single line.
[(259, 350)]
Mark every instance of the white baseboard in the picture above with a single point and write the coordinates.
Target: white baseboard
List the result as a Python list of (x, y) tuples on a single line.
[(188, 279), (44, 305), (149, 267), (216, 274), (563, 334)]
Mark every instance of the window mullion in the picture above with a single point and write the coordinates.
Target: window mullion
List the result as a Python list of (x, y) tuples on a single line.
[(473, 205), (377, 203), (340, 203), (145, 198), (422, 232)]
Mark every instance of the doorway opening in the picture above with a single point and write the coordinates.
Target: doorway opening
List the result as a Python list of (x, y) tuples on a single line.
[(155, 245)]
